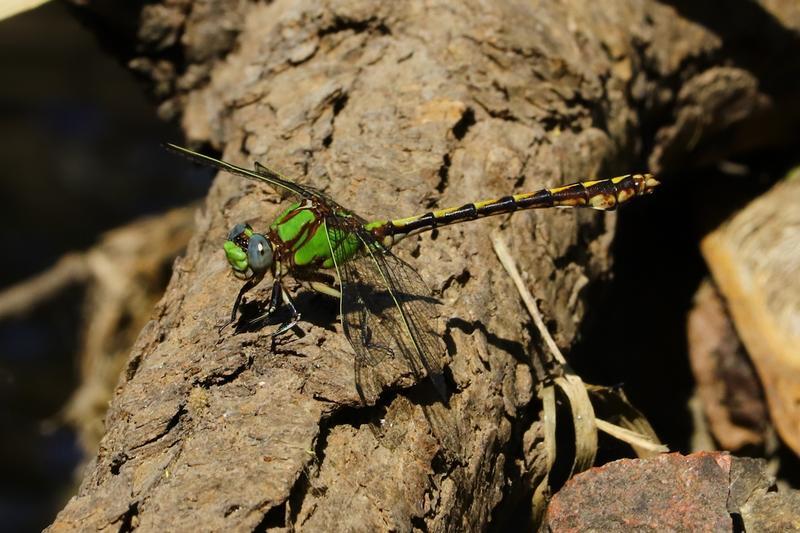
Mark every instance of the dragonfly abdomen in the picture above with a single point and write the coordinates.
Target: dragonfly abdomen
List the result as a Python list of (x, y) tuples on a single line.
[(604, 195), (600, 194)]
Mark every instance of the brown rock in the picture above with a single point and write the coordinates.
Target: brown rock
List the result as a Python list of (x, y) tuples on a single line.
[(706, 491)]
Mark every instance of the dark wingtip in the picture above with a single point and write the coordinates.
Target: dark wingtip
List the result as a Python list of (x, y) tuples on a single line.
[(170, 147), (191, 155)]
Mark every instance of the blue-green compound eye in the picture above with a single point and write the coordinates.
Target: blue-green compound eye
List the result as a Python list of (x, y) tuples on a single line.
[(259, 253), (238, 230)]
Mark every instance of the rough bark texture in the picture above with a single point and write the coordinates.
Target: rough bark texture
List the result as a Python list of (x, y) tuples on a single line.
[(128, 272), (391, 108)]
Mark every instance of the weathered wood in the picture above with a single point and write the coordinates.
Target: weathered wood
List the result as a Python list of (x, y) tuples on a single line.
[(391, 108), (755, 260), (728, 388)]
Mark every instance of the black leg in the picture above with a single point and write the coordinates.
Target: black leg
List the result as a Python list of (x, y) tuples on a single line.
[(274, 303), (249, 284), (278, 295), (289, 324)]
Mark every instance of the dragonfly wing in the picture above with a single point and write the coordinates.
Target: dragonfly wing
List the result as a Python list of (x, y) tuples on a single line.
[(307, 191), (262, 173), (387, 315), (415, 313)]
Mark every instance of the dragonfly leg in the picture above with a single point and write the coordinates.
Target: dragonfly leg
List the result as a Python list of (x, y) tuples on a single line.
[(249, 284), (279, 295), (274, 302), (289, 324)]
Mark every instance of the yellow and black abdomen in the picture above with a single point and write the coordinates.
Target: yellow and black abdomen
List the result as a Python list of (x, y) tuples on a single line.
[(600, 194)]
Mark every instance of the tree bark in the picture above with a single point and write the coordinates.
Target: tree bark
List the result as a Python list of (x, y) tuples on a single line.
[(391, 108)]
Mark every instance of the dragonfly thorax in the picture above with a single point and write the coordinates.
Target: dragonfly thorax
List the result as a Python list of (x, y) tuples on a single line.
[(302, 240), (248, 253)]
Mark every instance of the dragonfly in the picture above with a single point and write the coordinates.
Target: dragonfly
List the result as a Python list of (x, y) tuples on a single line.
[(385, 308)]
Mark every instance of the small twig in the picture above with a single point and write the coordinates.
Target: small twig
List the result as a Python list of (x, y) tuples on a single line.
[(585, 423), (26, 295), (631, 437), (507, 261)]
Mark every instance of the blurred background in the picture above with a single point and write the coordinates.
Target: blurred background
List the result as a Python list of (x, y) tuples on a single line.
[(81, 155)]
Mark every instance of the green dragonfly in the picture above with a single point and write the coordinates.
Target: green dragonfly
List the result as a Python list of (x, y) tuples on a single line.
[(386, 309)]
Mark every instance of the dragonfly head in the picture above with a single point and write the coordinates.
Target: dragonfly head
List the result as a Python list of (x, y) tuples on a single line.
[(249, 253)]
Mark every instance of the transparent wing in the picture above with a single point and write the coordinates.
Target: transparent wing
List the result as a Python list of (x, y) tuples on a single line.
[(261, 173), (387, 315)]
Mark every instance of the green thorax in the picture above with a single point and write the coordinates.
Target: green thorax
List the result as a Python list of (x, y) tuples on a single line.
[(299, 234)]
